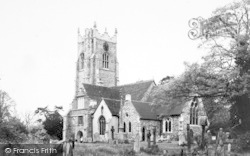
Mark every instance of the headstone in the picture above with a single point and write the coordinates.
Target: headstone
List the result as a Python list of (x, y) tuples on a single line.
[(182, 139), (96, 137), (168, 138), (112, 133), (220, 142), (208, 138), (158, 138), (137, 143), (189, 138), (106, 138), (229, 148), (148, 138), (154, 139), (89, 139)]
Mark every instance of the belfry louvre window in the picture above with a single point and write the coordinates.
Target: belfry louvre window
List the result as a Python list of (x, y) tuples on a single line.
[(80, 120), (102, 126), (105, 60), (194, 112)]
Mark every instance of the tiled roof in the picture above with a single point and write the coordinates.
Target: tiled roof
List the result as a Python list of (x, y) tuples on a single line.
[(145, 110), (113, 105), (136, 90), (168, 110), (94, 91)]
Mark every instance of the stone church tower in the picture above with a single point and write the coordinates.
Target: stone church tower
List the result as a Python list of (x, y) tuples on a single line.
[(96, 59)]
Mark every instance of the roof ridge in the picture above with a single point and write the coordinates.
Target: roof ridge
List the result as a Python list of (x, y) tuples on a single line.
[(138, 82), (141, 101), (111, 99)]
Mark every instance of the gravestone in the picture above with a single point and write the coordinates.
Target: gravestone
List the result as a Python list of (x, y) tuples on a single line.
[(89, 139), (168, 138), (112, 133), (220, 142), (154, 139), (182, 139), (148, 138), (137, 143), (189, 137), (96, 137), (208, 138)]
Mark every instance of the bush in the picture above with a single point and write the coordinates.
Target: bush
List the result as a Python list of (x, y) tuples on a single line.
[(127, 152), (152, 150), (242, 143)]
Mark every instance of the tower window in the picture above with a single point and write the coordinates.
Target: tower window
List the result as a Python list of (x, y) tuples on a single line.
[(105, 60), (194, 112), (102, 126), (80, 120), (82, 61)]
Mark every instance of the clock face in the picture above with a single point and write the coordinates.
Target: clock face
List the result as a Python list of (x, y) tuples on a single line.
[(105, 46)]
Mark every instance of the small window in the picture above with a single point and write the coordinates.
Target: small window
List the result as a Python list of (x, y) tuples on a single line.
[(124, 126), (80, 120), (105, 60), (168, 125), (130, 126)]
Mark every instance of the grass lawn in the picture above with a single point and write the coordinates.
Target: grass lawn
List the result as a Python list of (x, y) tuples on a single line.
[(105, 149)]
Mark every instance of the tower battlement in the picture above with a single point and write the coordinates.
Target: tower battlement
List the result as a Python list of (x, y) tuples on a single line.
[(94, 33)]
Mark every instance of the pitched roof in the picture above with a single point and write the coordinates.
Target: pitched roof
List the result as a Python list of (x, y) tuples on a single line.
[(168, 110), (100, 91), (113, 105), (145, 110), (136, 90)]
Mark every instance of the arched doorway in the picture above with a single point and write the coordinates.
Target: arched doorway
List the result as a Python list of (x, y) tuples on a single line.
[(143, 134), (79, 136)]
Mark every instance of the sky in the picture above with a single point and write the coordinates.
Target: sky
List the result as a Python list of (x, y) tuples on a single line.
[(38, 43)]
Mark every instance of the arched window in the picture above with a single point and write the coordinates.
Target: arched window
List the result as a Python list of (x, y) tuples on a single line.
[(124, 126), (168, 125), (82, 61), (194, 112), (102, 124), (130, 127), (105, 60)]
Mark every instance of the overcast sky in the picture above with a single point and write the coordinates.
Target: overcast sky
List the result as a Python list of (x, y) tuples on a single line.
[(38, 43)]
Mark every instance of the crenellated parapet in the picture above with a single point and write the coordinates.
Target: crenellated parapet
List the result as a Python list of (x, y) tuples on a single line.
[(94, 33)]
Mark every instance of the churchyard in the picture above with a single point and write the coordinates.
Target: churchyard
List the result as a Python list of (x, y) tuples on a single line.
[(222, 146)]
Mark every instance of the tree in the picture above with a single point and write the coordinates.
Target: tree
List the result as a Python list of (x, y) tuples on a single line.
[(53, 123), (224, 76), (12, 130)]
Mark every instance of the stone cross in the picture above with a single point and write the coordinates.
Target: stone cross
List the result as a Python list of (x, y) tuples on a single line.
[(148, 138), (112, 132)]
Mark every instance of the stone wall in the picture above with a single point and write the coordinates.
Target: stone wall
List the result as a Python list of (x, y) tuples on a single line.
[(150, 125), (197, 129), (129, 114), (175, 127)]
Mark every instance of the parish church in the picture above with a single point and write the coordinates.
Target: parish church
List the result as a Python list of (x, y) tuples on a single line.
[(103, 110)]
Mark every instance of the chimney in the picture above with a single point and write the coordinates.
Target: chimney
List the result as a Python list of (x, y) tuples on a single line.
[(128, 97)]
